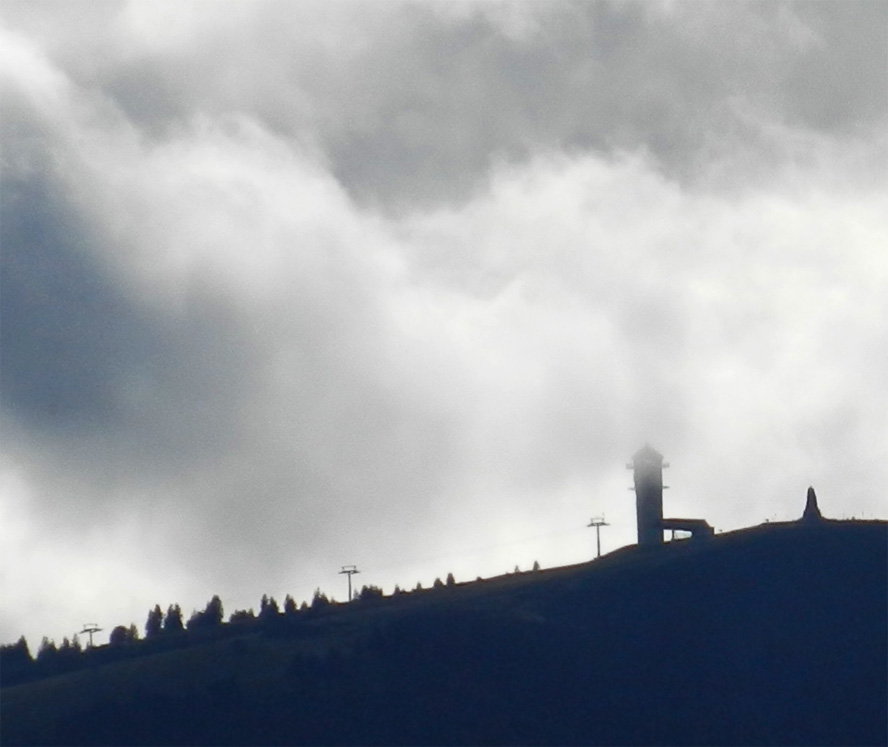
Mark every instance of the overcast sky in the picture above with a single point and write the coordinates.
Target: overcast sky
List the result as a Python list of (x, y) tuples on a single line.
[(288, 285)]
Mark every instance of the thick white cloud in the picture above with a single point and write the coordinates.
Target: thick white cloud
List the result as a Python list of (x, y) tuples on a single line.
[(270, 318)]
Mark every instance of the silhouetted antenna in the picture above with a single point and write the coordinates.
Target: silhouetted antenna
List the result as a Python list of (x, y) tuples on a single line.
[(598, 522), (349, 570), (90, 628)]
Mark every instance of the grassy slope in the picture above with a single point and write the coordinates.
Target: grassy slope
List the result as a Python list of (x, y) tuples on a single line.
[(775, 634)]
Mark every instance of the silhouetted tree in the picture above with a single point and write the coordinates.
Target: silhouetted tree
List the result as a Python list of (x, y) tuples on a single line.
[(15, 651), (290, 606), (47, 659), (451, 581), (172, 623), (123, 634), (242, 617), (47, 650), (210, 618), (214, 611), (154, 623), (69, 654), (439, 584), (536, 565), (368, 593), (16, 664), (268, 609), (319, 600)]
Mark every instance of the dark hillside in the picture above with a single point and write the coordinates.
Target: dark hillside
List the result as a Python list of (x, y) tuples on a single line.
[(773, 635)]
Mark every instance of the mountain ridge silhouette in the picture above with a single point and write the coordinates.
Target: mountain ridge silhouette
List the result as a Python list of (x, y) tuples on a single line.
[(777, 634)]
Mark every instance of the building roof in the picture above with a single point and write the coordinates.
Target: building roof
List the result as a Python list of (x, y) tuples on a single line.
[(647, 453)]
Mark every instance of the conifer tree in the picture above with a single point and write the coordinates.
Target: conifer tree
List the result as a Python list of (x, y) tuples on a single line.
[(370, 592), (69, 654), (47, 658), (47, 650), (154, 623), (211, 617), (290, 606), (319, 600), (214, 612), (20, 647), (172, 623), (269, 609), (242, 617), (16, 664)]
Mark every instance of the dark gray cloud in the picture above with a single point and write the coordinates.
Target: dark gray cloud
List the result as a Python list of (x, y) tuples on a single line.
[(294, 285), (414, 108), (83, 361), (839, 85)]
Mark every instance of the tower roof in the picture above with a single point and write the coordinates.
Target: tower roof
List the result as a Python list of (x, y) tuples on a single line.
[(647, 453)]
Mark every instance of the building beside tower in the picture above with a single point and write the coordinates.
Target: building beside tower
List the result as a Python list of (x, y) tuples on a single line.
[(647, 466)]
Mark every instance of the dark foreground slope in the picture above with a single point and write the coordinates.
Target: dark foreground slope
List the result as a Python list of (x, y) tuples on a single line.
[(774, 635)]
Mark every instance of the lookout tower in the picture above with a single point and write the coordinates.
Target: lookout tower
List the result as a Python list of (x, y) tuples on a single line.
[(648, 467)]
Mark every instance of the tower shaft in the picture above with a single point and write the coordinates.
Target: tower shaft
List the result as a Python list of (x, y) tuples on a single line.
[(647, 466)]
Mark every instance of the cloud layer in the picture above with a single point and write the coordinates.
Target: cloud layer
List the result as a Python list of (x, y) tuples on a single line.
[(291, 286)]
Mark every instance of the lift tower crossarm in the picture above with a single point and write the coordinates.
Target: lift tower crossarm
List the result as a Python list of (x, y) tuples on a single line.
[(90, 628), (349, 570), (598, 522)]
